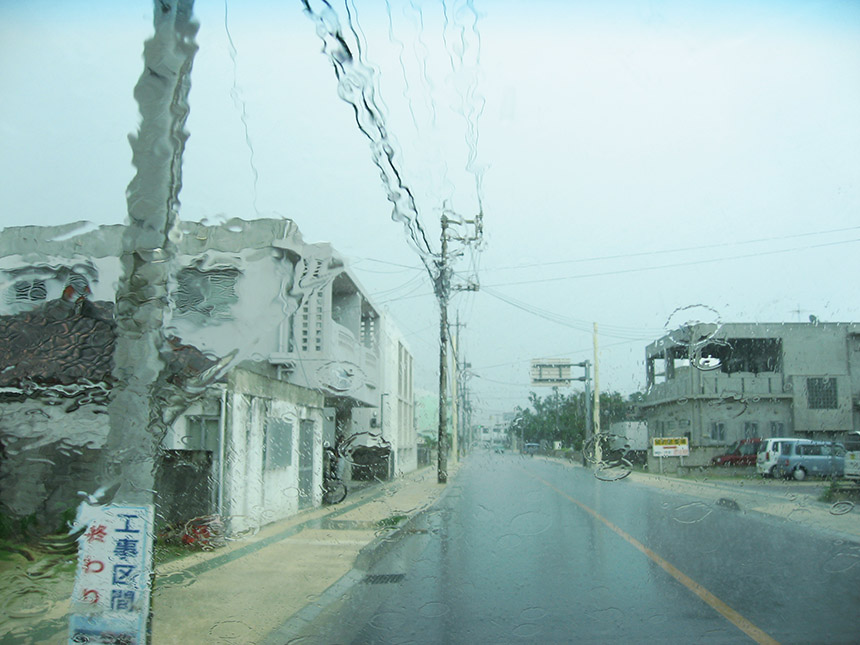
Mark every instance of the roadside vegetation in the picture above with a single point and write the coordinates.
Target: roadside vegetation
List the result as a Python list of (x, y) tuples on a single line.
[(841, 491), (562, 417)]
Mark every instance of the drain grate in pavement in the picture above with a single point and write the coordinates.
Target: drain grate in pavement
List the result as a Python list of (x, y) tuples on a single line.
[(383, 578)]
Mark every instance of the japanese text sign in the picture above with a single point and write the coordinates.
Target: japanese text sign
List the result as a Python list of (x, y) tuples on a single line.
[(111, 595), (670, 446)]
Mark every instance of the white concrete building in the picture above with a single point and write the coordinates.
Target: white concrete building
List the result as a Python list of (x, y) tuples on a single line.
[(394, 418), (259, 441), (309, 347)]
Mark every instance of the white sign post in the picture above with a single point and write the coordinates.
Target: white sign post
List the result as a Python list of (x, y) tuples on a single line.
[(110, 602)]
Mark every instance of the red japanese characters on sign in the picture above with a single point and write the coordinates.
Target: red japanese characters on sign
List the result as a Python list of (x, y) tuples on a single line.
[(111, 594)]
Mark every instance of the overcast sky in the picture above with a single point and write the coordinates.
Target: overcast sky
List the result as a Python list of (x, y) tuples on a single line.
[(634, 158)]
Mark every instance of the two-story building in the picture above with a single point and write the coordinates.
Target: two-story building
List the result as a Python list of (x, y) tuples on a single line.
[(716, 384), (310, 351)]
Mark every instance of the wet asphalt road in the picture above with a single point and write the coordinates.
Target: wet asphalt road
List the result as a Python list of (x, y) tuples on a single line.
[(523, 550)]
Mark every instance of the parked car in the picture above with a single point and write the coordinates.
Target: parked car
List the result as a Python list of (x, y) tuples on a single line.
[(740, 453), (531, 448), (852, 455), (802, 458), (768, 455)]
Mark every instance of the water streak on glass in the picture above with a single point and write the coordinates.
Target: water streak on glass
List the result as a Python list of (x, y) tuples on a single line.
[(465, 58), (357, 86)]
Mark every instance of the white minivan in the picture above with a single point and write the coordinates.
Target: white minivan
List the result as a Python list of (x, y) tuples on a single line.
[(768, 454), (852, 455)]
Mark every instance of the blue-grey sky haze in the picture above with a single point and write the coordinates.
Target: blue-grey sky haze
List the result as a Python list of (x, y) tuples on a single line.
[(635, 157)]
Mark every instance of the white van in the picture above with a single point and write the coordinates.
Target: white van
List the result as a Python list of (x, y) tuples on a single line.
[(768, 454), (852, 455)]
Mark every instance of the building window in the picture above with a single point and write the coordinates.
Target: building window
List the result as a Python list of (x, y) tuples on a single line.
[(201, 433), (210, 294), (821, 393), (29, 291), (79, 283), (750, 429), (718, 431), (278, 444), (777, 429)]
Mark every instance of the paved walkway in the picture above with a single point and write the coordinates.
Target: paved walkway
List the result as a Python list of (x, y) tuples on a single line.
[(244, 591)]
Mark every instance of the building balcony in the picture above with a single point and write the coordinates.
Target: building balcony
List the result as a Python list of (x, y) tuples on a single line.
[(346, 347), (718, 385)]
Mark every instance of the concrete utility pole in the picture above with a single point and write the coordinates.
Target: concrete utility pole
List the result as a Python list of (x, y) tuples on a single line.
[(443, 294), (443, 288), (455, 412), (458, 396), (598, 450), (465, 407), (147, 248), (589, 421), (136, 423), (586, 379)]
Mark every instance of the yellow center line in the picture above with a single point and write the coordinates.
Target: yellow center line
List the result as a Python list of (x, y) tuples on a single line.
[(742, 623)]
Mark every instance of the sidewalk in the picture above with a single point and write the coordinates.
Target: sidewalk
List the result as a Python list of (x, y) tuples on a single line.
[(796, 502), (244, 591)]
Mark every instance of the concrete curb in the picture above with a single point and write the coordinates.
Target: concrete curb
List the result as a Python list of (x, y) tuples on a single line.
[(384, 541), (368, 556)]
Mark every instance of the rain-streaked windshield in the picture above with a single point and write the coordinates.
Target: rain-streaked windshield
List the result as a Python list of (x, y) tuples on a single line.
[(429, 321)]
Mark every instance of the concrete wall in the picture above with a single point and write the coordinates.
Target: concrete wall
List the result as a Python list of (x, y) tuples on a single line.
[(51, 454), (254, 494), (397, 370), (48, 456), (822, 350), (394, 413)]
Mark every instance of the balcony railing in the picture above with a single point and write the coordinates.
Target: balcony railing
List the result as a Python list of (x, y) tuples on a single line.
[(718, 385), (370, 365)]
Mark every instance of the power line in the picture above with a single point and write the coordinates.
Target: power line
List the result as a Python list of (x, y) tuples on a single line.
[(413, 284), (673, 265), (676, 250), (628, 333), (489, 380), (394, 264)]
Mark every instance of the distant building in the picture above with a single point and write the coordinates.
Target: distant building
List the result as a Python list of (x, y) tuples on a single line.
[(717, 384)]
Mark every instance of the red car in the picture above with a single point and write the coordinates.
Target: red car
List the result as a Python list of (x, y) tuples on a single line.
[(740, 453)]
